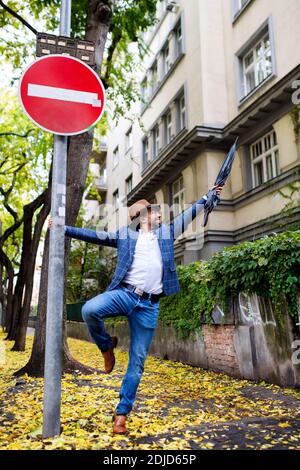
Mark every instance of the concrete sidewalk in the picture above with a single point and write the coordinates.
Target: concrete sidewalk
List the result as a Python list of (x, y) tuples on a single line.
[(178, 407)]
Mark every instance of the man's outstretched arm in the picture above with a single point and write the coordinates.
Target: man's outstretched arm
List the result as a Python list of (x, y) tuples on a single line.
[(98, 237), (181, 222)]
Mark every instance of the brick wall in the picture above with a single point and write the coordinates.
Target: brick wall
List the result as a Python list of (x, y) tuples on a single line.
[(219, 347)]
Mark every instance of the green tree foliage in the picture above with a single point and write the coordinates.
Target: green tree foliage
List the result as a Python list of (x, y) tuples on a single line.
[(25, 157), (17, 42), (120, 64), (112, 24), (23, 145), (29, 147), (269, 267), (90, 271)]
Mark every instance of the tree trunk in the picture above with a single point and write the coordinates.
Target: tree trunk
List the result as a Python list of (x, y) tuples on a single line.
[(21, 328), (5, 261), (20, 284), (79, 152), (28, 256), (2, 300), (2, 297), (35, 366), (16, 303)]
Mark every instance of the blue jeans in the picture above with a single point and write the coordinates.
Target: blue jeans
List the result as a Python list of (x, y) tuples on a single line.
[(142, 317)]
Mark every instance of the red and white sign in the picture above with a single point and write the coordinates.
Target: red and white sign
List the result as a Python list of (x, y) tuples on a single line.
[(62, 94)]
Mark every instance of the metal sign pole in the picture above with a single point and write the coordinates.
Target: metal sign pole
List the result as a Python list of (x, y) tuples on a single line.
[(53, 355)]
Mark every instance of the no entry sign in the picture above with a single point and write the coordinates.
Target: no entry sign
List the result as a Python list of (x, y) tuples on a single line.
[(62, 95)]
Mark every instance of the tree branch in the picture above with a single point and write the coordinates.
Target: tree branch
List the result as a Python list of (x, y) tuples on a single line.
[(16, 15), (14, 133), (9, 209), (6, 194), (10, 230), (115, 41), (15, 257)]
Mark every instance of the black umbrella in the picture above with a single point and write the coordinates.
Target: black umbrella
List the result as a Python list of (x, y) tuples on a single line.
[(212, 198)]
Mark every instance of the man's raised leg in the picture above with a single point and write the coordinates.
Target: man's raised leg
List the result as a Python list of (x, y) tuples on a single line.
[(108, 304), (140, 341)]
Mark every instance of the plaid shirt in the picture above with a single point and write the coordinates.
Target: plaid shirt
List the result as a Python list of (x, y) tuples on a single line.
[(125, 240)]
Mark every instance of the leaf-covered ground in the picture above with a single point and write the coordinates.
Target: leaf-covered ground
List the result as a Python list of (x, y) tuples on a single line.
[(177, 407)]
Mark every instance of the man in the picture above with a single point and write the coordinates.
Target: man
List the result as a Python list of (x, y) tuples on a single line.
[(145, 272)]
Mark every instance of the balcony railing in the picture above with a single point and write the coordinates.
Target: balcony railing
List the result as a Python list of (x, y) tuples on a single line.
[(103, 144), (101, 183)]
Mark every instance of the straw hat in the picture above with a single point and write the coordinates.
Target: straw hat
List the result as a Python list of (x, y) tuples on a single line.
[(136, 208)]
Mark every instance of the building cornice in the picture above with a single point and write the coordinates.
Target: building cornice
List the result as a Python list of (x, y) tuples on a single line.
[(269, 187), (276, 101), (268, 226), (252, 121)]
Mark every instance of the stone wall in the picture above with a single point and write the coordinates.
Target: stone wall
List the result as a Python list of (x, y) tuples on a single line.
[(267, 345), (250, 342), (220, 350)]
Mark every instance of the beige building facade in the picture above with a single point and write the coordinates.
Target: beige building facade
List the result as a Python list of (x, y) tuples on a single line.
[(216, 70)]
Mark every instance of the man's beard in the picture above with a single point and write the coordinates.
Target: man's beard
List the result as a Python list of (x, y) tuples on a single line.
[(156, 224)]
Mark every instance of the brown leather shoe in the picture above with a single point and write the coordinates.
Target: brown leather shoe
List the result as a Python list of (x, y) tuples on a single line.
[(119, 422), (109, 357)]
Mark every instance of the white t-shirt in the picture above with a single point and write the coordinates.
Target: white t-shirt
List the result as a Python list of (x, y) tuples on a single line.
[(146, 269)]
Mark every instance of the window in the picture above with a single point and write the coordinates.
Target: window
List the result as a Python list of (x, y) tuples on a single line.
[(178, 196), (146, 152), (116, 200), (103, 175), (154, 77), (181, 112), (257, 64), (150, 83), (128, 139), (115, 157), (179, 260), (167, 58), (145, 89), (155, 135), (238, 6), (162, 6), (264, 159), (178, 36), (241, 4), (168, 127), (128, 184)]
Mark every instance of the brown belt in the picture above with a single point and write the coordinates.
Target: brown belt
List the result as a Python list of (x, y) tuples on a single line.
[(141, 293)]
